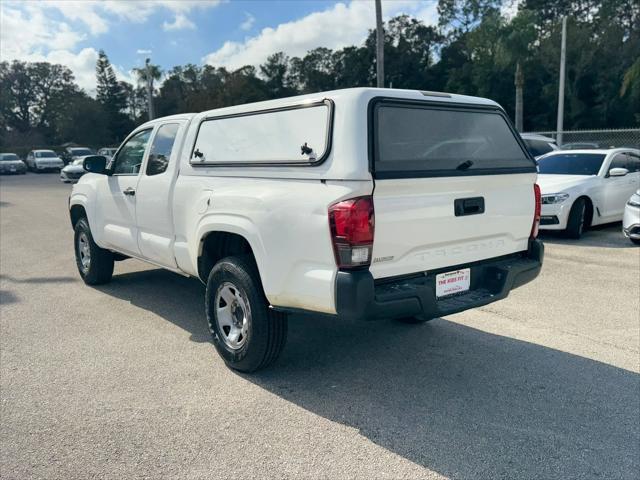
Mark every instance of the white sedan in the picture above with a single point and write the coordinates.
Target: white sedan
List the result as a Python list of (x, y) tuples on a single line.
[(72, 172), (581, 188), (631, 219)]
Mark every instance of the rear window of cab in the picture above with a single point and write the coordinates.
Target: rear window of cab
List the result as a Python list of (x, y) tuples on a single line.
[(433, 140)]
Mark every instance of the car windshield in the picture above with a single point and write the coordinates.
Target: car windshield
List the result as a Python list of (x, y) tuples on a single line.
[(80, 151), (571, 164), (46, 154), (5, 157)]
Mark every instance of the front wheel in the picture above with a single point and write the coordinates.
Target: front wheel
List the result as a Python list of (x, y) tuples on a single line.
[(95, 264), (247, 334), (635, 241), (577, 219)]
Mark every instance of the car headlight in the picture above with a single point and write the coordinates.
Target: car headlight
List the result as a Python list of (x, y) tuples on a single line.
[(554, 198), (634, 201)]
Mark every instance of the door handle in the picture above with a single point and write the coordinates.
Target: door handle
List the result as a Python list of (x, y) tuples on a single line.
[(468, 206), (129, 191)]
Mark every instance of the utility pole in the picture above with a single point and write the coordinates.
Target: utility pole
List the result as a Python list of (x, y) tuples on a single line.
[(379, 46), (149, 89), (519, 82), (563, 58)]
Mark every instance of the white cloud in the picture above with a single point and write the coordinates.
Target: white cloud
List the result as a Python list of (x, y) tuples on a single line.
[(180, 22), (29, 30), (43, 33), (248, 22), (336, 27), (509, 8), (141, 51)]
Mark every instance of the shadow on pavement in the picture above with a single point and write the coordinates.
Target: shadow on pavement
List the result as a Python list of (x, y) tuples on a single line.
[(7, 297), (171, 296), (609, 235), (12, 279), (457, 400)]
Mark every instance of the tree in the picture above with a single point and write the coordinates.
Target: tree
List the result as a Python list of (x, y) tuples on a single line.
[(112, 96), (32, 94), (314, 72), (84, 121), (276, 72)]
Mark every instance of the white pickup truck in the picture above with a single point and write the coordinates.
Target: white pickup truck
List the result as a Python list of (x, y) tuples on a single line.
[(363, 203)]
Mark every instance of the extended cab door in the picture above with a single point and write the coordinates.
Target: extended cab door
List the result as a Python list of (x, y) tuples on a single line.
[(154, 195), (453, 185), (116, 200)]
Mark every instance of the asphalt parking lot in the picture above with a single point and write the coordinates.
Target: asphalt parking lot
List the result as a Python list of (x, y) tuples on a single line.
[(121, 381)]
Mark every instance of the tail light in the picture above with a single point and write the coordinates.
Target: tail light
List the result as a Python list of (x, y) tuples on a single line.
[(352, 225), (537, 211)]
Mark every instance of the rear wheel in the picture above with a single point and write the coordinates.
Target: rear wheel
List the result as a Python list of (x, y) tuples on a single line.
[(247, 334), (95, 264), (577, 219)]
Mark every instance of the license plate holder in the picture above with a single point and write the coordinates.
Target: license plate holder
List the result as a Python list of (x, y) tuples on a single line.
[(454, 282)]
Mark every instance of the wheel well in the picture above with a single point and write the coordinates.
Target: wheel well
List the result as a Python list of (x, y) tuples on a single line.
[(217, 245), (588, 214), (76, 213)]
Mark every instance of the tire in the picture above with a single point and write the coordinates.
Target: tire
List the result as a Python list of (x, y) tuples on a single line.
[(635, 241), (414, 320), (249, 336), (99, 267), (576, 222)]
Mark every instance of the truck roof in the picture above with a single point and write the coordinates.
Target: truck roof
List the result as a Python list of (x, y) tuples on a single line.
[(342, 95), (357, 94)]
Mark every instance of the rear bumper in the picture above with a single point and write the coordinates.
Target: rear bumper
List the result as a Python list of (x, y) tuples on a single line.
[(359, 296)]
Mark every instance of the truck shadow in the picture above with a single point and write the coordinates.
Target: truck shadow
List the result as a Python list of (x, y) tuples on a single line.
[(454, 399)]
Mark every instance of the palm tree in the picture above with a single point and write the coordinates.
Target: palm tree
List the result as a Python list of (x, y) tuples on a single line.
[(146, 76)]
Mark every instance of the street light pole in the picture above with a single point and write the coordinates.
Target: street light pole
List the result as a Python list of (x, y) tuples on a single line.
[(563, 58), (519, 82), (149, 89), (379, 46)]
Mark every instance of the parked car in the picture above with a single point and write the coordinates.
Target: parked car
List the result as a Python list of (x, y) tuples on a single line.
[(44, 160), (539, 145), (107, 152), (282, 206), (11, 163), (581, 188), (71, 153), (631, 218), (72, 172)]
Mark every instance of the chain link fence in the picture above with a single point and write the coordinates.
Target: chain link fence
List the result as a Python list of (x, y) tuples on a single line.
[(623, 137)]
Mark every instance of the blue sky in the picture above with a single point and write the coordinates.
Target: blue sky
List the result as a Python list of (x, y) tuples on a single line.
[(228, 33)]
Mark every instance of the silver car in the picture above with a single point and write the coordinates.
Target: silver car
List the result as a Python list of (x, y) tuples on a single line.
[(11, 163), (72, 172)]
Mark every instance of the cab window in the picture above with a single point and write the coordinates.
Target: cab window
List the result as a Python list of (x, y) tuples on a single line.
[(131, 155), (161, 148)]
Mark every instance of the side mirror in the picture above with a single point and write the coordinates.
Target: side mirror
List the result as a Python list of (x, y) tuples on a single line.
[(618, 172), (95, 164)]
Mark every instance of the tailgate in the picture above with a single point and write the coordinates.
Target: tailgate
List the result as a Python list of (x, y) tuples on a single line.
[(417, 228), (453, 185)]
